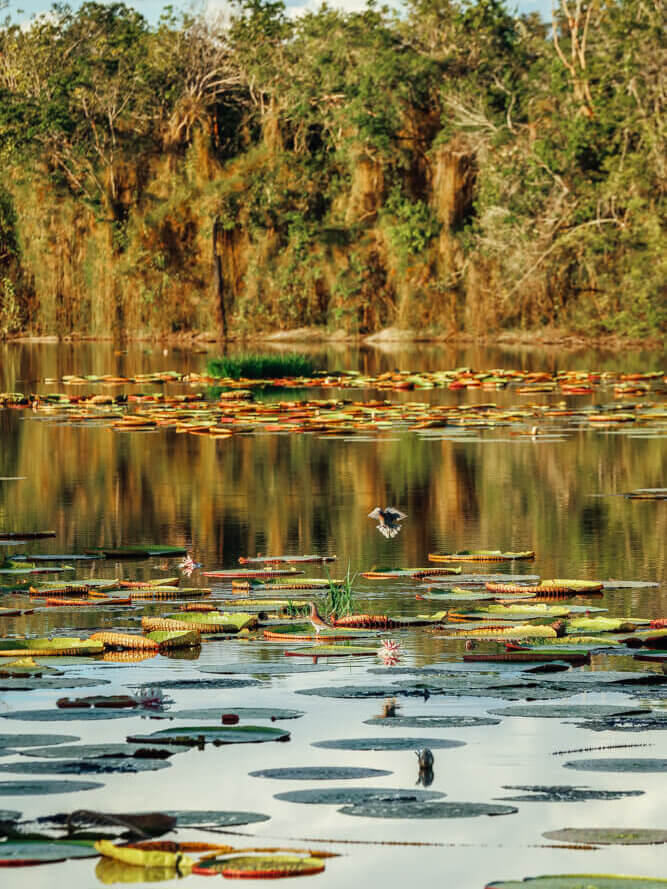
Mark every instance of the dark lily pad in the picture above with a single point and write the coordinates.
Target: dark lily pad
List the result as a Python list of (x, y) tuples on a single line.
[(431, 721), (320, 773), (568, 711), (37, 788), (47, 683), (193, 735), (350, 691), (381, 809), (581, 881), (206, 819), (356, 795), (97, 751), (272, 713), (563, 793), (614, 764), (605, 836), (388, 744), (74, 715), (645, 721), (26, 852), (35, 740), (267, 668), (207, 683), (100, 766)]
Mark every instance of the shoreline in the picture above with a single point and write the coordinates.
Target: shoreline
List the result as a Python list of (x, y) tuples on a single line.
[(389, 337)]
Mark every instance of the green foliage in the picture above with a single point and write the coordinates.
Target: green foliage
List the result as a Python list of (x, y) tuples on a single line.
[(260, 367), (340, 595), (411, 224)]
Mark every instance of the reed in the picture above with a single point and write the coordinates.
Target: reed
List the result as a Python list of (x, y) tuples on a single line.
[(340, 597), (260, 367)]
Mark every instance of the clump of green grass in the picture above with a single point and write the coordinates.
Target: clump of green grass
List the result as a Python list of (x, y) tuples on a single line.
[(340, 596), (260, 367)]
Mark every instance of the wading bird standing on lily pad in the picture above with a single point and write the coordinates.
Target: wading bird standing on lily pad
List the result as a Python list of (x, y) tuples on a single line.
[(388, 519)]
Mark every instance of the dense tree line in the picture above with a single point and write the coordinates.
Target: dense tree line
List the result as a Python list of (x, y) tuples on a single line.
[(453, 166)]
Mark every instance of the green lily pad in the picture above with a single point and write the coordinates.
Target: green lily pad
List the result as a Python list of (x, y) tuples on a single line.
[(605, 836), (319, 773), (563, 793), (47, 682), (388, 744), (618, 765), (120, 750), (267, 668), (272, 713), (55, 714), (35, 740), (336, 796), (192, 736), (567, 711), (205, 819), (381, 809), (431, 721), (581, 881), (26, 852), (37, 788), (100, 766)]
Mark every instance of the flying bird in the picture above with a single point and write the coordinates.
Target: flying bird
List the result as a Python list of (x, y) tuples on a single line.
[(388, 520)]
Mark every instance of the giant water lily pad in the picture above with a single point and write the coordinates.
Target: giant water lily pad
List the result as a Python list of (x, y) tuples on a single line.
[(320, 773), (644, 721), (568, 711), (388, 744), (563, 793), (100, 766), (617, 764), (66, 715), (350, 691), (605, 836), (445, 809), (97, 751), (581, 881), (33, 740), (207, 683), (431, 721), (336, 796), (267, 668), (272, 713), (261, 866), (205, 819), (37, 788), (47, 682), (193, 735), (26, 852)]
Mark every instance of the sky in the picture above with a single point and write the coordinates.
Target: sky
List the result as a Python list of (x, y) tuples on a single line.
[(22, 10)]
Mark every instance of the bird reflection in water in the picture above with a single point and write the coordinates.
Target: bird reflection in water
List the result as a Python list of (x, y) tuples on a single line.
[(388, 520)]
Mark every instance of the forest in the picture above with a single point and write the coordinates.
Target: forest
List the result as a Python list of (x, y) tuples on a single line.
[(449, 167)]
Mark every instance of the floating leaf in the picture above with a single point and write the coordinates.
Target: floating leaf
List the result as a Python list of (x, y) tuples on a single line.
[(604, 836), (399, 809), (35, 740), (567, 711), (36, 788), (204, 819), (267, 668), (100, 766), (618, 765), (563, 793), (642, 722), (319, 773), (431, 721), (96, 751), (207, 683), (356, 795), (194, 735), (66, 715), (388, 744), (581, 881), (272, 713), (109, 871), (261, 866), (48, 683), (27, 852)]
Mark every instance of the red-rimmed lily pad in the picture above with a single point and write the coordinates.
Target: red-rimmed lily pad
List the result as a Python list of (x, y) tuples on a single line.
[(581, 881), (608, 836), (444, 809), (194, 735), (29, 852), (319, 773)]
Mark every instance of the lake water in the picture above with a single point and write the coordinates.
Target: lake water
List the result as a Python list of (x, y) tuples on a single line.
[(275, 493)]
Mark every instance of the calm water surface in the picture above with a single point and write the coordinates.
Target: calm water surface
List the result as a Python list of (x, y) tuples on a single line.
[(276, 493)]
